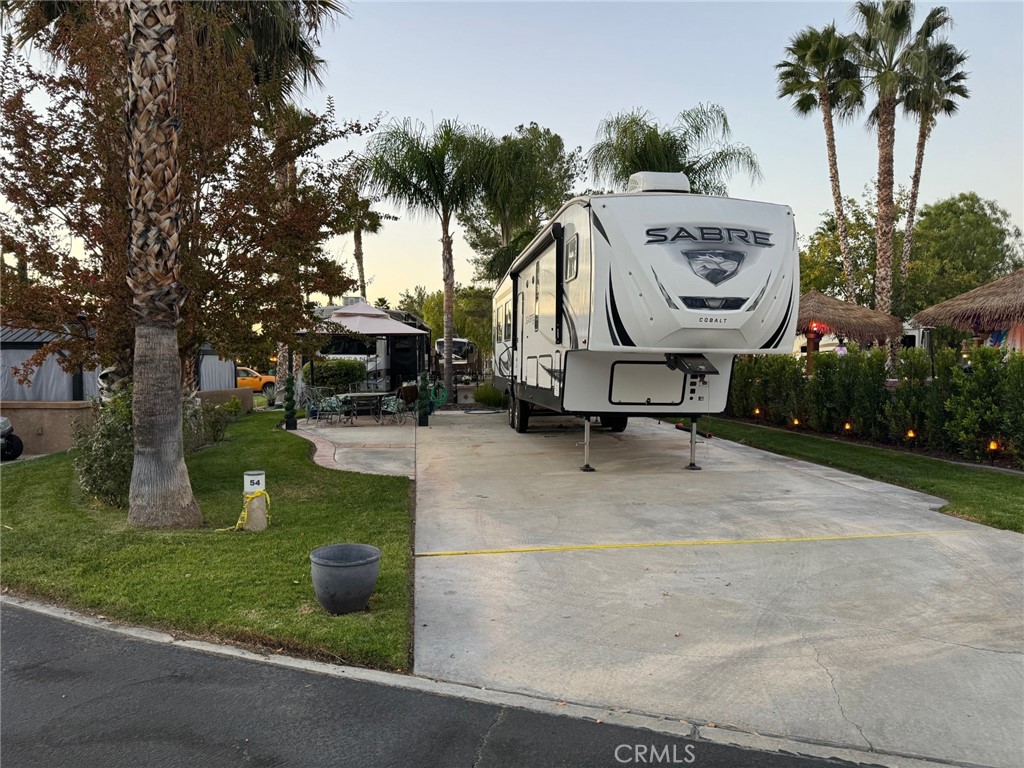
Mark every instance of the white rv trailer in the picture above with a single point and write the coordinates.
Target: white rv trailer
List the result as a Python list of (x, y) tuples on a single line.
[(637, 303)]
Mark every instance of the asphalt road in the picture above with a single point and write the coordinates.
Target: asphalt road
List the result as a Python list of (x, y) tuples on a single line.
[(77, 696)]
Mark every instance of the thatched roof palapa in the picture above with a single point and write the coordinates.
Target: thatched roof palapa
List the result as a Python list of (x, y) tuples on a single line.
[(994, 306), (851, 321)]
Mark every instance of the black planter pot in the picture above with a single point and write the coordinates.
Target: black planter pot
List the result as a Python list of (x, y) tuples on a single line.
[(291, 424), (344, 576), (422, 420)]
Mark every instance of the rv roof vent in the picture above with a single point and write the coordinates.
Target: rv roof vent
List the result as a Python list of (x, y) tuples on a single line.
[(650, 181)]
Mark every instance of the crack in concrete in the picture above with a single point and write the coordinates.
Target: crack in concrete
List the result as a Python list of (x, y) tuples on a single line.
[(487, 735), (831, 679), (839, 700)]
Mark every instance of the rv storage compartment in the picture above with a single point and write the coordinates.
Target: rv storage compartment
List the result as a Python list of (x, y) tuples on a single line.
[(646, 383)]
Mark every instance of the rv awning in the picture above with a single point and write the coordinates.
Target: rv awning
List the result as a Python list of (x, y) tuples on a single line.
[(369, 321)]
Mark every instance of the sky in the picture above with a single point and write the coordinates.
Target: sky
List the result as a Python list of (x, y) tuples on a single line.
[(568, 65)]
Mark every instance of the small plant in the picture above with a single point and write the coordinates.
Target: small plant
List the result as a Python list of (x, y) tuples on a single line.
[(289, 402), (489, 395), (423, 399), (217, 417), (270, 392)]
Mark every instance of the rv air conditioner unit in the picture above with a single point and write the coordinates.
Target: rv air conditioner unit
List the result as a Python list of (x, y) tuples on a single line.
[(649, 181)]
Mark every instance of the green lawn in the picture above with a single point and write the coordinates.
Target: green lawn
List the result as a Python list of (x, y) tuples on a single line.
[(255, 588), (975, 493)]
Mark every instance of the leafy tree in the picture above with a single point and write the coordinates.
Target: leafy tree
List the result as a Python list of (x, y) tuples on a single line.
[(696, 145), (936, 79), (250, 252), (435, 173), (382, 303), (527, 176), (960, 243), (412, 301), (821, 260), (819, 73), (885, 44), (473, 315)]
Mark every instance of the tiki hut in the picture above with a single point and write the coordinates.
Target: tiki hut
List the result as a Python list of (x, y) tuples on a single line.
[(997, 307), (820, 314)]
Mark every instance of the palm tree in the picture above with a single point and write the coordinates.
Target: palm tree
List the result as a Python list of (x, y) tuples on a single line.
[(696, 145), (884, 46), (936, 78), (818, 73), (429, 173), (160, 494), (357, 216)]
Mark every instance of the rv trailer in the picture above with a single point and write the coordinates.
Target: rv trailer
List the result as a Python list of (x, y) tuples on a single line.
[(636, 304)]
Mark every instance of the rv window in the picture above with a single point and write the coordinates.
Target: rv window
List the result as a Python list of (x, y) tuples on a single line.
[(572, 262), (508, 320), (499, 324)]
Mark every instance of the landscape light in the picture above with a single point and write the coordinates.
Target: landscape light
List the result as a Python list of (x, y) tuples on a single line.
[(796, 422), (757, 411), (993, 445), (911, 434), (847, 426)]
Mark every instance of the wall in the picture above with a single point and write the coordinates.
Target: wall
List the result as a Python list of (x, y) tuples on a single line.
[(45, 427), (218, 396)]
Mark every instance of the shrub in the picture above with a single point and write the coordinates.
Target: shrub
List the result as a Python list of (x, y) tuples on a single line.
[(827, 402), (907, 408), (217, 417), (193, 433), (974, 411), (865, 379), (939, 391), (103, 452), (1011, 402), (742, 400), (491, 396), (336, 374), (782, 388), (270, 391)]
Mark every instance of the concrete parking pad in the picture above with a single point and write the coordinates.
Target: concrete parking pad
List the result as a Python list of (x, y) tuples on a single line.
[(853, 613)]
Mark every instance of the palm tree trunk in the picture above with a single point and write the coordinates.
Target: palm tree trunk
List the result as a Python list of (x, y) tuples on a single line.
[(837, 197), (357, 254), (885, 219), (915, 186), (448, 272), (161, 494)]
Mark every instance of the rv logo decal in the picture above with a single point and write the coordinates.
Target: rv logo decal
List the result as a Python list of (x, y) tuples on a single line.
[(714, 266), (730, 235)]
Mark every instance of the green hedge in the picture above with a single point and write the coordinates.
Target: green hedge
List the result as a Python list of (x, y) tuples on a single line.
[(336, 374), (946, 406)]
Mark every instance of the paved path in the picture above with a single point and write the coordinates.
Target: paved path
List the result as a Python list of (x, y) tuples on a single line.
[(75, 696), (761, 593), (367, 447)]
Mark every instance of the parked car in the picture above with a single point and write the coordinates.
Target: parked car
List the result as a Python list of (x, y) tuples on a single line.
[(247, 378)]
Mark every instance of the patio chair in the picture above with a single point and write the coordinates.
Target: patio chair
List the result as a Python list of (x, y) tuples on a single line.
[(393, 409)]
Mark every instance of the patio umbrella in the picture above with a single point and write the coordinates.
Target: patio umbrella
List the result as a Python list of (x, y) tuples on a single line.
[(365, 320), (994, 306)]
